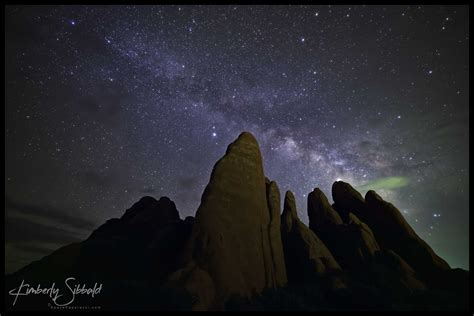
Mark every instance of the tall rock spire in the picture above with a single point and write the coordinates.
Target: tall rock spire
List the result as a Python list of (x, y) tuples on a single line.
[(234, 238), (307, 257), (279, 269)]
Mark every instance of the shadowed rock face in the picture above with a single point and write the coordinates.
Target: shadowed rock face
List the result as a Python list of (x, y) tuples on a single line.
[(143, 244), (390, 229), (57, 265), (348, 200), (148, 211), (277, 274), (394, 232), (307, 258), (384, 248), (366, 244), (352, 243), (391, 271), (320, 213), (197, 282), (231, 236)]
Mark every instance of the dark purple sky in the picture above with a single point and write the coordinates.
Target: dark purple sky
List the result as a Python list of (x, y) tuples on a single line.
[(106, 104)]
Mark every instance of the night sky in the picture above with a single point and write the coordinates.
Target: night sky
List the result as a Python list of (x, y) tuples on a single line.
[(106, 104)]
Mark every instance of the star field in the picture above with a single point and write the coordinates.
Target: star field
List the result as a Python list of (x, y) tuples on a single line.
[(106, 104)]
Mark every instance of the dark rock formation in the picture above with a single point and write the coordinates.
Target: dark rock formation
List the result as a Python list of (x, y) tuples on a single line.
[(320, 213), (57, 265), (392, 272), (372, 241), (365, 243), (390, 229), (239, 253), (148, 211), (198, 283), (231, 236), (394, 232), (307, 258), (279, 270), (142, 246), (144, 243), (352, 243), (348, 200)]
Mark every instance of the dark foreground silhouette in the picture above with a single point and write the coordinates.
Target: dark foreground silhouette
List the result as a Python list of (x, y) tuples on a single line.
[(241, 252)]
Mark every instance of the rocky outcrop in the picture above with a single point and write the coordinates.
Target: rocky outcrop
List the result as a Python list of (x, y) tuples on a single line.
[(58, 265), (307, 258), (348, 200), (198, 283), (390, 229), (357, 253), (320, 213), (231, 236), (394, 273), (365, 243), (149, 211), (144, 243), (394, 232), (352, 243), (277, 275)]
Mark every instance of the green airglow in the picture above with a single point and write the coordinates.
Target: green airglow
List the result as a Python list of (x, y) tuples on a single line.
[(385, 184)]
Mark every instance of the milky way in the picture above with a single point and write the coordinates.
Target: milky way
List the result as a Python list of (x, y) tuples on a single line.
[(107, 104)]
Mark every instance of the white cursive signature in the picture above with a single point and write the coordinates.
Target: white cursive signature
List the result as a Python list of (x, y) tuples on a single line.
[(25, 289)]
